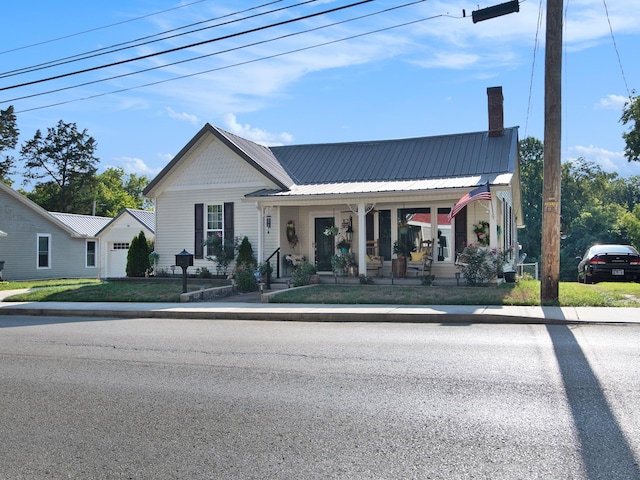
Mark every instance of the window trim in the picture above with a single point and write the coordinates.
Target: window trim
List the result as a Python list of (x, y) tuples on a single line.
[(95, 254), (48, 237)]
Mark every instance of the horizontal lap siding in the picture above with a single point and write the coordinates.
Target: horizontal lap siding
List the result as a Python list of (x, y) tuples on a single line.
[(19, 248)]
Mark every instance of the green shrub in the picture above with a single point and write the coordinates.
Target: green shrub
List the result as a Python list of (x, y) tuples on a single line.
[(302, 274), (138, 256), (245, 254), (245, 279)]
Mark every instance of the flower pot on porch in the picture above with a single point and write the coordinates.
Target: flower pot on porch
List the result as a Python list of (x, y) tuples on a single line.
[(399, 267)]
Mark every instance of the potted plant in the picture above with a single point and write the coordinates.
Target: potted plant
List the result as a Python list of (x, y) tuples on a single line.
[(343, 245), (331, 231), (264, 269)]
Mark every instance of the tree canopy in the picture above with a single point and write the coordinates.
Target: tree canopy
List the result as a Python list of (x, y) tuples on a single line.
[(65, 157), (8, 140), (597, 207), (631, 116)]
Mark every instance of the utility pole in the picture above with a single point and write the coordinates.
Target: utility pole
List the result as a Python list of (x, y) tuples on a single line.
[(552, 172)]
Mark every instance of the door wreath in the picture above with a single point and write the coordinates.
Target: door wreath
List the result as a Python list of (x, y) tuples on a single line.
[(291, 233)]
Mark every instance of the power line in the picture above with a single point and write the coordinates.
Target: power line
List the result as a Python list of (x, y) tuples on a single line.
[(94, 53), (615, 46), (171, 50), (159, 82), (214, 53), (71, 35)]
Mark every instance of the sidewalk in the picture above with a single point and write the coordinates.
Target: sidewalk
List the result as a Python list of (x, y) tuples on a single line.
[(244, 310)]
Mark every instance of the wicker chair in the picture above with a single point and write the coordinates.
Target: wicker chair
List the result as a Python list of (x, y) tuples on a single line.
[(422, 260), (374, 261)]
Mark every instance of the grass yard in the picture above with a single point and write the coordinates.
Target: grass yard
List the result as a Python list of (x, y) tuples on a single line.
[(169, 290)]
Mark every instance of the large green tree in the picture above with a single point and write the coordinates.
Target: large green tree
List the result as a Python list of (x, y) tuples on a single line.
[(115, 191), (8, 140), (531, 171), (631, 116), (65, 159)]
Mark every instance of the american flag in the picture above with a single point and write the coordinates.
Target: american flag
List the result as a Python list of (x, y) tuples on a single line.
[(480, 193)]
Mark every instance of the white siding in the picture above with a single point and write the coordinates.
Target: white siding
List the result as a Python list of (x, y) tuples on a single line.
[(211, 174), (19, 248), (113, 263)]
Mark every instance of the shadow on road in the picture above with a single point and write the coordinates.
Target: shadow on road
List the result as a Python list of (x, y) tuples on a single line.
[(606, 454)]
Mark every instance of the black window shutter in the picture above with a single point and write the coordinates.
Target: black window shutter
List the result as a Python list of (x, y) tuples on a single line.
[(198, 246), (229, 234)]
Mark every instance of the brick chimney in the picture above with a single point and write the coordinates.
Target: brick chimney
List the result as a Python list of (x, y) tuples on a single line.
[(496, 114)]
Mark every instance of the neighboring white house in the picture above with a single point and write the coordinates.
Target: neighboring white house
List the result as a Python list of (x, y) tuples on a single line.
[(116, 236), (383, 191), (39, 245)]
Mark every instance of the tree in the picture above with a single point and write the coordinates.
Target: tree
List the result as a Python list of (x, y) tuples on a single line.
[(65, 157), (631, 116), (114, 192), (8, 141), (138, 256), (531, 167)]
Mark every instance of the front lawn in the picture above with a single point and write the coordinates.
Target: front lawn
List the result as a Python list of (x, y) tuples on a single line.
[(169, 290)]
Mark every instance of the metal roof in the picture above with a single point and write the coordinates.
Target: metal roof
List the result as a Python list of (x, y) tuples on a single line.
[(145, 217), (423, 158), (85, 225)]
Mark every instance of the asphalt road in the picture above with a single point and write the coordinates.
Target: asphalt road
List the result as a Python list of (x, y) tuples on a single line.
[(164, 399)]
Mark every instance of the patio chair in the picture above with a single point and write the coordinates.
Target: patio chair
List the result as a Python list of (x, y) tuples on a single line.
[(374, 261), (421, 260)]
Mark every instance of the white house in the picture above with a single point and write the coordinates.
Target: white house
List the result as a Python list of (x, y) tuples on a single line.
[(373, 191)]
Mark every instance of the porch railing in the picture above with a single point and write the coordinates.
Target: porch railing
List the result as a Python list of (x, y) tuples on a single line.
[(268, 262)]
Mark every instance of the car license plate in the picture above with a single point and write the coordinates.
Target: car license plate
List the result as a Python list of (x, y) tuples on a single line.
[(617, 271)]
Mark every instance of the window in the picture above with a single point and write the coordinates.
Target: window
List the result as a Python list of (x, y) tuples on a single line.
[(120, 246), (44, 250), (92, 248), (443, 242), (215, 223)]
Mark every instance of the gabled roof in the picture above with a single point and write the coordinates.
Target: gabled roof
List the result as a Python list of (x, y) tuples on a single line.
[(423, 163), (85, 225), (145, 217), (411, 159), (258, 156), (38, 210)]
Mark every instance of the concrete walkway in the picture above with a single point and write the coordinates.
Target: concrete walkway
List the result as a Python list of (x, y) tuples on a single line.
[(248, 310)]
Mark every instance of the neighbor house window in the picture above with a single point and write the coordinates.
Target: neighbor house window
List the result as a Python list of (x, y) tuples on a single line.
[(92, 249), (44, 250), (215, 223)]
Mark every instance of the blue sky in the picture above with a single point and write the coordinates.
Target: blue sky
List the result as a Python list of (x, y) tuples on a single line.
[(428, 77)]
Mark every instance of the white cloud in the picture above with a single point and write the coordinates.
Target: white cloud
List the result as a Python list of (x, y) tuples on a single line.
[(182, 116), (611, 102), (137, 166), (612, 162), (256, 134)]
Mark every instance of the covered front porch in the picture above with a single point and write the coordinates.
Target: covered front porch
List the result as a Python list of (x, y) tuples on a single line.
[(377, 235)]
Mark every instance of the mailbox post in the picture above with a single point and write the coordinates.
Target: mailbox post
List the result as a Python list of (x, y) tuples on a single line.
[(184, 260)]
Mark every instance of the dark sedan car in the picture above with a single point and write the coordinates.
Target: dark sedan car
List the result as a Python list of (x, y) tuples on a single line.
[(609, 263)]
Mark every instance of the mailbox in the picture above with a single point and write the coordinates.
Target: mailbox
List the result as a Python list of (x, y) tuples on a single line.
[(184, 259)]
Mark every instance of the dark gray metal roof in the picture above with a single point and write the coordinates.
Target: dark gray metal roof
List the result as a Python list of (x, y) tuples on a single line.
[(445, 156)]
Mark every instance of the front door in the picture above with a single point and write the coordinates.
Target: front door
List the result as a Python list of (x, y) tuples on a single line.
[(324, 245)]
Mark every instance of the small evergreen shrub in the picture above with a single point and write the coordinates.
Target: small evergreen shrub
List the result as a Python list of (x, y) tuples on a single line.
[(245, 254), (245, 279), (302, 274), (138, 256)]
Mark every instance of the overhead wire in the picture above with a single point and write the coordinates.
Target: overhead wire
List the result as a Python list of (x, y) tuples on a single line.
[(536, 47), (615, 46), (71, 35), (261, 42), (183, 47), (167, 80), (101, 51)]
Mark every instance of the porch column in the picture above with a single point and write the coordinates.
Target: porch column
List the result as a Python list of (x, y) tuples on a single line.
[(362, 239), (260, 210), (493, 222)]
